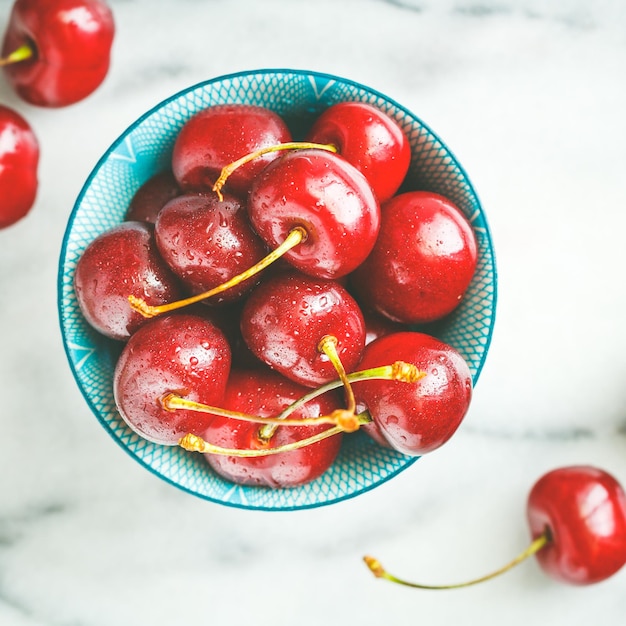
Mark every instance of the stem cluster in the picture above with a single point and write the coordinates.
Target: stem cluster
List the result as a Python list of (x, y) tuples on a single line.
[(339, 421)]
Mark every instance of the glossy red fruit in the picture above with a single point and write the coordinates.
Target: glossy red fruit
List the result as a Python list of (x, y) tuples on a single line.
[(265, 393), (416, 418), (152, 196), (370, 140), (19, 159), (219, 135), (120, 262), (285, 318), (321, 192), (71, 41), (207, 242), (423, 261), (182, 354), (583, 510)]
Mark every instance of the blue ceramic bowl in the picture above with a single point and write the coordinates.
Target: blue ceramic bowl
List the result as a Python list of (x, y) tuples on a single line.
[(144, 149)]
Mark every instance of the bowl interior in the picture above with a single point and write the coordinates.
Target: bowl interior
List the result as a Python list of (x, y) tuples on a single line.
[(144, 149)]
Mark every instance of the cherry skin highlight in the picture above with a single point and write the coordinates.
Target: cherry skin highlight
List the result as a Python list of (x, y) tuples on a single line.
[(322, 193), (370, 140), (286, 317), (219, 135), (71, 44), (179, 353), (583, 511), (423, 260), (19, 160), (266, 393), (206, 242), (419, 417), (120, 262)]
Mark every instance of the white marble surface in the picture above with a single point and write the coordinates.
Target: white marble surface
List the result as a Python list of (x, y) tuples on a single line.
[(530, 96)]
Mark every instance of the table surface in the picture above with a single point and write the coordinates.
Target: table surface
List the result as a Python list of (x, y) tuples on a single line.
[(530, 96)]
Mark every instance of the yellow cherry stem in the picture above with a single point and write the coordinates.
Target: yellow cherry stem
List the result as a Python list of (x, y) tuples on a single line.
[(290, 145), (398, 371), (296, 235), (19, 54), (328, 346), (380, 572), (345, 418), (401, 371), (192, 443), (172, 402)]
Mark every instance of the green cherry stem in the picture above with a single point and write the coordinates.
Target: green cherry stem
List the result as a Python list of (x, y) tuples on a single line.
[(19, 54), (296, 235), (380, 572), (290, 145)]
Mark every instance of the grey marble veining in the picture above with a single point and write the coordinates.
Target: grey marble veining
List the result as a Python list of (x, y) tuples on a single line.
[(530, 97)]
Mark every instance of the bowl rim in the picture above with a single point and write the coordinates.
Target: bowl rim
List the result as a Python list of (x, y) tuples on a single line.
[(120, 140)]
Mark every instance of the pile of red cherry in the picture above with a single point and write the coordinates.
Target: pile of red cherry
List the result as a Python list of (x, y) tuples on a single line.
[(54, 53), (258, 276), (345, 264), (258, 273)]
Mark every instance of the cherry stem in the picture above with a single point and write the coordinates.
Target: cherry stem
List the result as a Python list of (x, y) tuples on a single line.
[(379, 571), (290, 145), (173, 402), (296, 235), (193, 443), (400, 371), (347, 418), (20, 54), (328, 346)]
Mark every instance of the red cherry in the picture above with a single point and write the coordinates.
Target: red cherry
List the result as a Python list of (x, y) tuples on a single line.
[(370, 140), (207, 242), (313, 210), (152, 196), (582, 510), (331, 200), (577, 518), (123, 260), (19, 158), (182, 354), (219, 135), (423, 261), (70, 44), (286, 317), (416, 418), (265, 393)]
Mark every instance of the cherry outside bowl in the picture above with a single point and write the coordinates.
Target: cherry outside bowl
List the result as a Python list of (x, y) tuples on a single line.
[(143, 150)]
